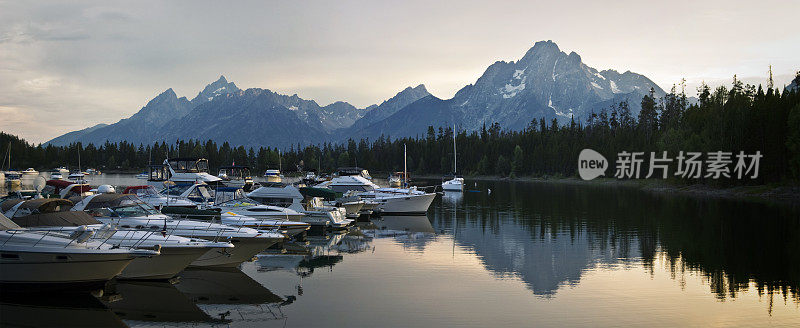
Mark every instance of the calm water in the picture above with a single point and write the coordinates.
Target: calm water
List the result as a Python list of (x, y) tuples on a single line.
[(525, 254)]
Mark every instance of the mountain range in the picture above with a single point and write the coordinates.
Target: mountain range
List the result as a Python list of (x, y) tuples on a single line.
[(545, 83)]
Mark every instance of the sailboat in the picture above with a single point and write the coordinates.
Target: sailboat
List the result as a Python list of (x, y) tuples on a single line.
[(456, 183)]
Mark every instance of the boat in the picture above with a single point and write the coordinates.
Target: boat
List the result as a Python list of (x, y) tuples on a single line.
[(236, 176), (190, 170), (238, 210), (454, 182), (390, 200), (13, 178), (151, 196), (77, 176), (66, 189), (28, 175), (36, 258), (128, 211), (199, 193), (143, 176), (273, 175), (55, 215), (288, 196), (396, 179), (351, 203), (55, 174)]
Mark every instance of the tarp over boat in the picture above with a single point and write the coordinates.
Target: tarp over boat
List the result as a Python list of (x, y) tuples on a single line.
[(46, 212)]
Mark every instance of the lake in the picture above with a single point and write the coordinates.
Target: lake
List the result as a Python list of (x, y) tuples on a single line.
[(524, 254)]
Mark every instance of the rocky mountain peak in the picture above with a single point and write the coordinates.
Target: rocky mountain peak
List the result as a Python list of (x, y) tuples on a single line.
[(216, 88)]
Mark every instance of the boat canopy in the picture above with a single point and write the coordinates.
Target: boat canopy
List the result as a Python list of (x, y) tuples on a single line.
[(46, 212), (7, 205), (112, 200), (324, 193)]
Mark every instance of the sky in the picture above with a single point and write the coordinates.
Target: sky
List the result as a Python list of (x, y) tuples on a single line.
[(65, 66)]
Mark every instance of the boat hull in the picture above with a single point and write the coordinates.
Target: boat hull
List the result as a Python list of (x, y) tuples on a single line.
[(244, 250), (47, 268), (167, 265), (405, 204)]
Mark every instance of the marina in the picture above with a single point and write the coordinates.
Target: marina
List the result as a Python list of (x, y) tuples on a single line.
[(541, 252)]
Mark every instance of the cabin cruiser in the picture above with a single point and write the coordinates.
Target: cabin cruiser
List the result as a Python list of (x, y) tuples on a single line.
[(454, 184), (236, 176), (128, 211), (182, 171), (288, 196), (35, 257), (238, 210), (273, 175), (55, 215), (151, 196), (13, 178), (77, 176), (58, 173), (30, 173), (199, 193), (390, 200), (352, 204)]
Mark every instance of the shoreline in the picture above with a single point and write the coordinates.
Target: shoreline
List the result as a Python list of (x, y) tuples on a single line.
[(772, 192)]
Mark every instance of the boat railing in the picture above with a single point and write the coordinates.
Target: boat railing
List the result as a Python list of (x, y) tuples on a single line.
[(74, 236), (216, 218), (195, 229)]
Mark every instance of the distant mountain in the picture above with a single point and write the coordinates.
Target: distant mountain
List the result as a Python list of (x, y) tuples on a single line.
[(74, 136), (795, 85), (545, 83)]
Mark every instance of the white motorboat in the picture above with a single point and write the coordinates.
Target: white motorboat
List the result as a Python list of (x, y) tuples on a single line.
[(186, 170), (390, 200), (34, 257), (143, 176), (273, 175), (128, 211), (79, 177), (176, 252), (198, 193), (30, 172), (236, 176), (454, 184), (238, 210), (55, 174), (288, 196), (151, 196)]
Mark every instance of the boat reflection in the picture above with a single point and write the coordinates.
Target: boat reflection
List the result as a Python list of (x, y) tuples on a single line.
[(55, 310), (144, 301), (224, 291)]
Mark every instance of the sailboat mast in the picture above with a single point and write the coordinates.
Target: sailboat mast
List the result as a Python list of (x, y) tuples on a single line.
[(455, 161), (405, 166)]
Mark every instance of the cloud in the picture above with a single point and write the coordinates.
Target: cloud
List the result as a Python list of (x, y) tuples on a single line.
[(98, 62)]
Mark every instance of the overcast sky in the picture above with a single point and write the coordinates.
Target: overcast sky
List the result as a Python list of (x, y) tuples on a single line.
[(66, 66)]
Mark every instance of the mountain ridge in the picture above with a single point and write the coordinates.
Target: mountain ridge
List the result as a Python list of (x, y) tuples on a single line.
[(544, 83)]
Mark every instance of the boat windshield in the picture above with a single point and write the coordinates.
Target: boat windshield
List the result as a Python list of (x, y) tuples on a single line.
[(176, 190), (134, 210)]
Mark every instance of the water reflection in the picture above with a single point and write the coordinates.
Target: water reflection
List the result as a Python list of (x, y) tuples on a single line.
[(152, 302), (56, 309), (222, 293), (548, 235)]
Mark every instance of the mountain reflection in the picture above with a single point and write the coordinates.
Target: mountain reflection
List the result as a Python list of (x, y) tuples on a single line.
[(549, 234)]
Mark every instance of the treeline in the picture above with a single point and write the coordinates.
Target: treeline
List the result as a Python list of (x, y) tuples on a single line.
[(731, 119)]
